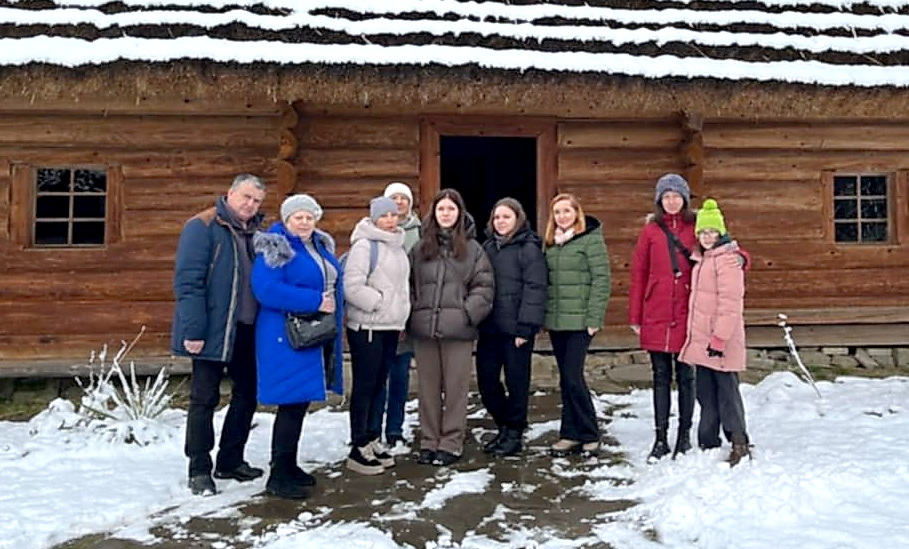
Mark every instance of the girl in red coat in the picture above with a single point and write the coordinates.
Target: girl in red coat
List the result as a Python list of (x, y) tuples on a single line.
[(658, 304)]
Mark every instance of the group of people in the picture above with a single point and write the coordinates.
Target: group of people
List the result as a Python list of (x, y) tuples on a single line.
[(429, 290)]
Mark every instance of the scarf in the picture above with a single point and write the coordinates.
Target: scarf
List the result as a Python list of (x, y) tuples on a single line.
[(562, 237)]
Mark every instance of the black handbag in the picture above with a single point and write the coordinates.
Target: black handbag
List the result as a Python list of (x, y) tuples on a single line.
[(310, 329)]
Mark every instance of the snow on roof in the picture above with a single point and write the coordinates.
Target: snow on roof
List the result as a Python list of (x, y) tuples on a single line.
[(817, 42)]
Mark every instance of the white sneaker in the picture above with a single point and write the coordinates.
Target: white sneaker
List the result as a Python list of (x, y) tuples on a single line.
[(381, 454)]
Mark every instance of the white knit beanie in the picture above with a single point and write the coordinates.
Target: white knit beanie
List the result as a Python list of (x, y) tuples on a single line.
[(399, 188), (297, 202)]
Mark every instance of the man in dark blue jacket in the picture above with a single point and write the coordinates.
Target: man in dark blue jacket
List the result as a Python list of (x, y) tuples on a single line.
[(214, 326)]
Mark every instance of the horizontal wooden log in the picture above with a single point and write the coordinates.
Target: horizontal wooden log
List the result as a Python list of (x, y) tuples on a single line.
[(831, 284), (857, 335), (791, 165), (346, 193), (71, 353), (807, 136), (140, 132), (138, 253), (616, 164), (597, 134), (126, 285), (53, 318), (355, 164), (315, 132), (154, 164), (829, 315), (755, 197)]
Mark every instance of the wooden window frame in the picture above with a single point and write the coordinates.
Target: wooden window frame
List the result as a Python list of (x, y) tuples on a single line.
[(22, 210), (897, 207), (544, 130)]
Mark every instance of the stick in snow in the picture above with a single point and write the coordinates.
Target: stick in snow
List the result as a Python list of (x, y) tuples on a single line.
[(787, 336)]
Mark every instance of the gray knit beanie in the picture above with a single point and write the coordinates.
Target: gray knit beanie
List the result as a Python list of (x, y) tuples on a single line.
[(297, 202), (380, 206), (672, 182)]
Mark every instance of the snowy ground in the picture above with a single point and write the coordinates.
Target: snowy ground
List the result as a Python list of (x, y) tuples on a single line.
[(830, 473)]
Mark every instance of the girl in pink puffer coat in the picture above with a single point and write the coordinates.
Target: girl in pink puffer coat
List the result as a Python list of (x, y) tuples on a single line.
[(716, 334)]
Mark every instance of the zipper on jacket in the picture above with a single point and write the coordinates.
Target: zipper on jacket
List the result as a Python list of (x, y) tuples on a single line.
[(232, 307), (437, 298)]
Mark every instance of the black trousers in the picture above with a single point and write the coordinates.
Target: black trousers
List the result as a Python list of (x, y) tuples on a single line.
[(721, 404), (579, 420), (371, 355), (285, 433), (507, 404), (205, 393), (662, 390)]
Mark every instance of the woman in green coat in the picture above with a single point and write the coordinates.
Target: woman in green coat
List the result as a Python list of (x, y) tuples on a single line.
[(579, 284)]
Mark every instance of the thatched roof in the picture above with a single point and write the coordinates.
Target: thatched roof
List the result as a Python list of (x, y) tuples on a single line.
[(796, 41)]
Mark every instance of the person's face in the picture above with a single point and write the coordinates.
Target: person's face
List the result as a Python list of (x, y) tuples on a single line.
[(672, 202), (708, 238), (402, 202), (504, 220), (245, 200), (446, 213), (388, 222), (564, 214), (301, 223)]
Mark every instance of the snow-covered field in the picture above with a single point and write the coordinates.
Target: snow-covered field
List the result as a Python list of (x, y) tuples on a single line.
[(828, 473)]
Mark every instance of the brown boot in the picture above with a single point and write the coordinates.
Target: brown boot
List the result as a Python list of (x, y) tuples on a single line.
[(740, 450)]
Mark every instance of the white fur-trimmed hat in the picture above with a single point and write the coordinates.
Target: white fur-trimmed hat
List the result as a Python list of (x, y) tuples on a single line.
[(398, 188)]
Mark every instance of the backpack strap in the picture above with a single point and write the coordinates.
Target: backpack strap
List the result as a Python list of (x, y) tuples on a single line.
[(373, 256)]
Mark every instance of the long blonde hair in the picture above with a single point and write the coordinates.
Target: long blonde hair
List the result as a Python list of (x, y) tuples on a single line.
[(580, 224)]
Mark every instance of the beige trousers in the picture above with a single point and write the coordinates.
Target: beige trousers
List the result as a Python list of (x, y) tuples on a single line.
[(443, 369)]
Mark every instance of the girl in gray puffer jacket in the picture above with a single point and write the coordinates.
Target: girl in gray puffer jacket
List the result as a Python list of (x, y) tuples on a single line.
[(452, 289)]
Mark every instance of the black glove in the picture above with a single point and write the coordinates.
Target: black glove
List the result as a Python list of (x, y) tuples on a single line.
[(713, 353)]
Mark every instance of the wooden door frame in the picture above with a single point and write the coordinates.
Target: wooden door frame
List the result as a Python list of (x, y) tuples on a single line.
[(544, 130)]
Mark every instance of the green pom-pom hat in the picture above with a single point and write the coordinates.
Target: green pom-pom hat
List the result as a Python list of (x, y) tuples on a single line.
[(710, 217)]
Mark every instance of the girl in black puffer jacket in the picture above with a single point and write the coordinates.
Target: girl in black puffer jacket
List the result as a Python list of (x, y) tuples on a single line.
[(507, 335)]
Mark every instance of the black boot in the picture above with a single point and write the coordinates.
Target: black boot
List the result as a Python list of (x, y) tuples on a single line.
[(740, 450), (682, 443), (284, 482), (660, 447), (493, 445), (512, 443)]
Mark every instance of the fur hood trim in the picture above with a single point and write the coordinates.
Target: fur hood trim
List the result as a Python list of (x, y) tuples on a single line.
[(275, 249)]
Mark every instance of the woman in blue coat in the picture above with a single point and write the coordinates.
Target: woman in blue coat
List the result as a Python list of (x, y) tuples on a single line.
[(295, 271)]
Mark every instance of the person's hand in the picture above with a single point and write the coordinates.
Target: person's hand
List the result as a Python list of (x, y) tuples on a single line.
[(636, 328), (328, 304), (591, 330), (193, 346), (733, 261), (713, 353), (519, 341)]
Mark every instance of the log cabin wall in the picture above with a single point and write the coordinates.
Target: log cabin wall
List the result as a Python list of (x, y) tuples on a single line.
[(345, 160), (769, 180), (64, 303), (612, 167)]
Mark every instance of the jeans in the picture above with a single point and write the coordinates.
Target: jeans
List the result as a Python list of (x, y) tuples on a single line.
[(662, 390), (579, 420), (721, 404), (394, 394), (205, 393)]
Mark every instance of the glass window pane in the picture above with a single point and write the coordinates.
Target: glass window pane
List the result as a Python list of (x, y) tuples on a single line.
[(845, 209), (88, 206), (50, 234), (875, 185), (90, 181), (874, 232), (874, 209), (88, 232), (846, 232), (50, 180), (844, 185), (52, 206)]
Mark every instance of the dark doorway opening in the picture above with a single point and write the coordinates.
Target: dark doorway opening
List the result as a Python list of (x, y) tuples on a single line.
[(485, 169)]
